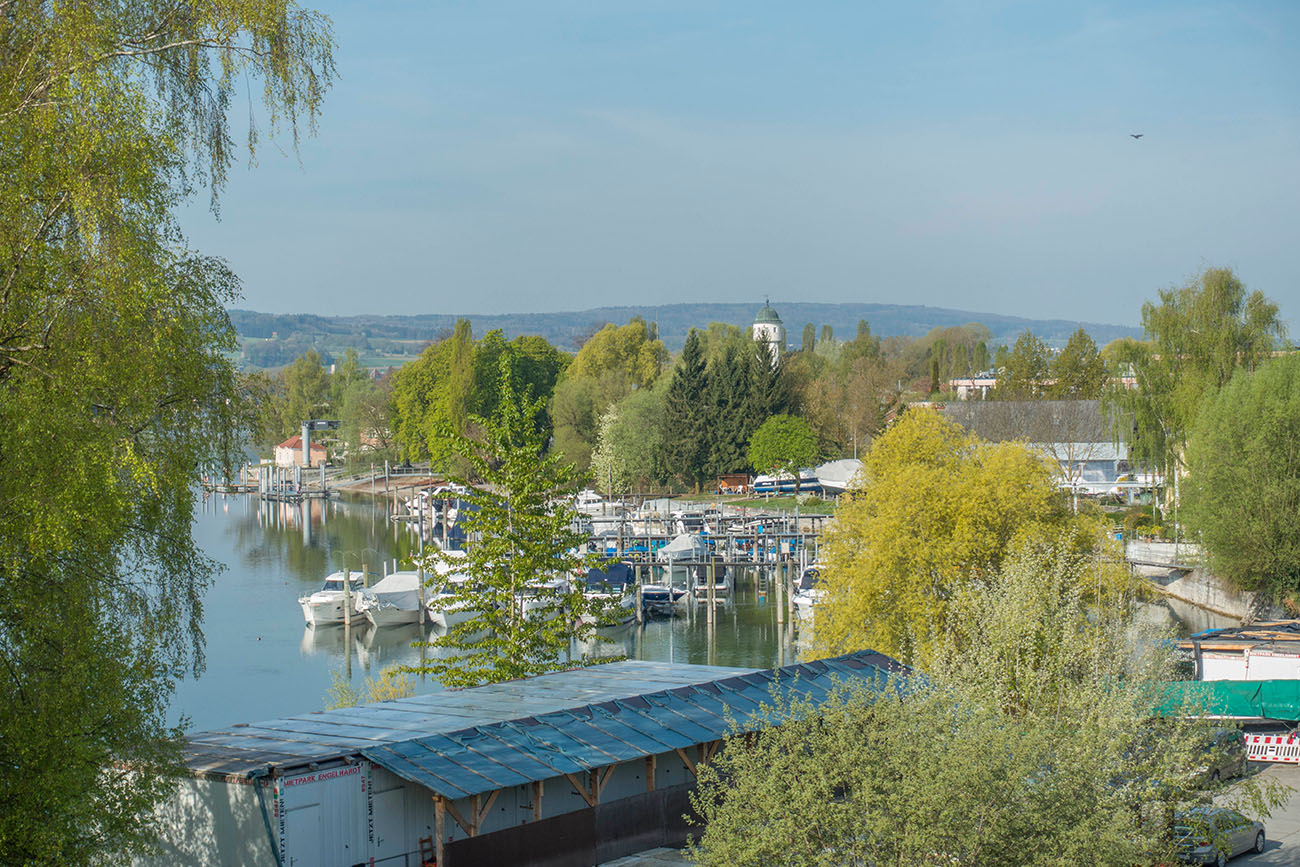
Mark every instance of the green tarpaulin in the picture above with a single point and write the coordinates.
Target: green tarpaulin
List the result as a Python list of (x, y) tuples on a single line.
[(1269, 699)]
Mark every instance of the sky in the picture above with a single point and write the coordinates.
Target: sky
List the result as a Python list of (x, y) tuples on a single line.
[(497, 157)]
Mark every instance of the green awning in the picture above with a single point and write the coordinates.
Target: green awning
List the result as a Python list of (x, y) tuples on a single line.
[(1267, 699)]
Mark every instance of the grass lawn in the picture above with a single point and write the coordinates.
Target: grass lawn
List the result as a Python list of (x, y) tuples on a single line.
[(813, 506)]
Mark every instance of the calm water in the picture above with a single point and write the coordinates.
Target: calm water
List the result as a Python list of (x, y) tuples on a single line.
[(264, 663)]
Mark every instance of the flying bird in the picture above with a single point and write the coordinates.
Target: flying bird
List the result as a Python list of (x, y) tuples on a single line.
[(1137, 134)]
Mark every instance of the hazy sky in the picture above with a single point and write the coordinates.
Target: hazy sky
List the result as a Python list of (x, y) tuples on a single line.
[(499, 157)]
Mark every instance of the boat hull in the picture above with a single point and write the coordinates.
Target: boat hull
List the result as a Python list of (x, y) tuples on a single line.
[(382, 617), (325, 609)]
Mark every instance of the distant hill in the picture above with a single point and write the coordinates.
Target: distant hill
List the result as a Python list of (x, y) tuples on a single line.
[(567, 329)]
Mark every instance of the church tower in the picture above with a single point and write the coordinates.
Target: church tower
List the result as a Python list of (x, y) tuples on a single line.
[(769, 329)]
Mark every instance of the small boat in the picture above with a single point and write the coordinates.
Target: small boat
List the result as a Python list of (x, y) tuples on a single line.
[(783, 483), (615, 587), (543, 600), (660, 599), (700, 581), (446, 607), (809, 593), (393, 600), (325, 606)]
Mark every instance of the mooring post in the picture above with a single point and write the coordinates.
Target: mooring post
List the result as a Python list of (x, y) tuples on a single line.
[(347, 597), (640, 597), (712, 595), (780, 594)]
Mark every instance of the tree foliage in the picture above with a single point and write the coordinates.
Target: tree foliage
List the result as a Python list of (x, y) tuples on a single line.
[(685, 424), (456, 380), (1198, 336), (523, 530), (1026, 370), (1029, 742), (1243, 496), (783, 444), (937, 508), (114, 389), (1078, 371)]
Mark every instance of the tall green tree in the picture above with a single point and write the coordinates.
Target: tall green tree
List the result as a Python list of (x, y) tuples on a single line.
[(524, 526), (827, 335), (306, 392), (1078, 372), (114, 388), (809, 342), (783, 444), (685, 423), (616, 361), (1198, 335), (1025, 370), (1243, 498), (769, 390), (631, 443), (725, 396)]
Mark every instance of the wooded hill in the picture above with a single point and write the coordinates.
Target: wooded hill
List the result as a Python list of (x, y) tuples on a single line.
[(568, 329)]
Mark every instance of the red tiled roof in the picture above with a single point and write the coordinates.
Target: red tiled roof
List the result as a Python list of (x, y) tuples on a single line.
[(295, 442)]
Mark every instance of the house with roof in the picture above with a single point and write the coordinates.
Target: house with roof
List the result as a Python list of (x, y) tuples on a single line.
[(572, 768), (289, 453)]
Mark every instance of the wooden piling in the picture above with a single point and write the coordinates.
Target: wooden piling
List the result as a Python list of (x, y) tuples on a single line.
[(347, 597), (779, 594)]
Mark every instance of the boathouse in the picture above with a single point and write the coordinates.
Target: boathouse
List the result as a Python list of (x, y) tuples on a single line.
[(572, 768), (289, 453)]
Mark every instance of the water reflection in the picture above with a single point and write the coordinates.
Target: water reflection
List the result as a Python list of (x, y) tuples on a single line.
[(264, 663)]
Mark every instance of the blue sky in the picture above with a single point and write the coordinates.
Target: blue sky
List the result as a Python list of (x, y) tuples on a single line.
[(502, 157)]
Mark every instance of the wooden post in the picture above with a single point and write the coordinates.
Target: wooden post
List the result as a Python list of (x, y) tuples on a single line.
[(649, 773), (439, 827), (791, 580), (777, 579), (365, 574), (537, 801), (712, 594), (640, 597)]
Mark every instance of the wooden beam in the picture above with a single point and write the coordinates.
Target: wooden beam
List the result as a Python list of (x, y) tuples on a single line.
[(649, 773), (481, 814), (587, 796), (537, 801), (602, 777), (690, 765), (450, 808)]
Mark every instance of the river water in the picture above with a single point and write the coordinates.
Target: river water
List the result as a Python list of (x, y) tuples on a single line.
[(263, 662)]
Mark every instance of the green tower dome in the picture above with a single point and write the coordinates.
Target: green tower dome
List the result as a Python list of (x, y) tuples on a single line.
[(767, 316)]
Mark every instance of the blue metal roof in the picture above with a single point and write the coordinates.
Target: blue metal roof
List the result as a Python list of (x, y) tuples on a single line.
[(484, 758)]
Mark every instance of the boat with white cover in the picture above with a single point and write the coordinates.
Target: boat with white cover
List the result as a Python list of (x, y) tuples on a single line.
[(447, 607), (325, 606), (810, 592), (543, 600), (393, 600)]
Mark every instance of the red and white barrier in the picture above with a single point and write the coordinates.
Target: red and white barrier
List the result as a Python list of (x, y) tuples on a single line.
[(1274, 748)]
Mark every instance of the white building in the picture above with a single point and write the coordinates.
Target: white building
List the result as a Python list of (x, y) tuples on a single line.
[(768, 329)]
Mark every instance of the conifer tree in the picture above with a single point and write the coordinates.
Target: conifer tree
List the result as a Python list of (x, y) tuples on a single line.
[(685, 420)]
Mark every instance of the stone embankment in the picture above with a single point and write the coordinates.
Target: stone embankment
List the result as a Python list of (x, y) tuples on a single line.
[(1178, 570)]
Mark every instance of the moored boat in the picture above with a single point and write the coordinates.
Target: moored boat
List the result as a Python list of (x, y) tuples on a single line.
[(393, 600), (326, 605)]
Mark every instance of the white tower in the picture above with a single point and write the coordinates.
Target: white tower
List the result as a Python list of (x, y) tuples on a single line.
[(768, 329)]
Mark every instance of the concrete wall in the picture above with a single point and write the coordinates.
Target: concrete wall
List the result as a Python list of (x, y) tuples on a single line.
[(211, 822)]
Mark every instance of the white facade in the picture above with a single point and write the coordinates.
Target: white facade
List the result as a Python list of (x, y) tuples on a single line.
[(769, 329)]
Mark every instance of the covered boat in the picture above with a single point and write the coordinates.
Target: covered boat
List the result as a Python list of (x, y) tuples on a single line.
[(392, 601), (615, 586)]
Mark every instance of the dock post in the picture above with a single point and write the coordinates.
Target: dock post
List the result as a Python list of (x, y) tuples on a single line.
[(791, 581), (347, 598), (712, 593), (365, 574), (777, 579), (640, 597)]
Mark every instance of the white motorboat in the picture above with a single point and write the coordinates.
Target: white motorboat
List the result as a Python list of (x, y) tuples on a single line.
[(326, 605), (393, 600), (447, 608), (543, 600), (615, 588), (784, 483), (809, 593)]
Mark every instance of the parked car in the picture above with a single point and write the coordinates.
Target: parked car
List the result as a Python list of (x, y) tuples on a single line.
[(1212, 835), (1224, 757)]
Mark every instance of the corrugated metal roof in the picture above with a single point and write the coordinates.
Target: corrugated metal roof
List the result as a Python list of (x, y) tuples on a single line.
[(483, 758), (324, 735)]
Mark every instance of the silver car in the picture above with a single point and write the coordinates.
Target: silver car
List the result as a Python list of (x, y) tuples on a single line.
[(1212, 835)]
